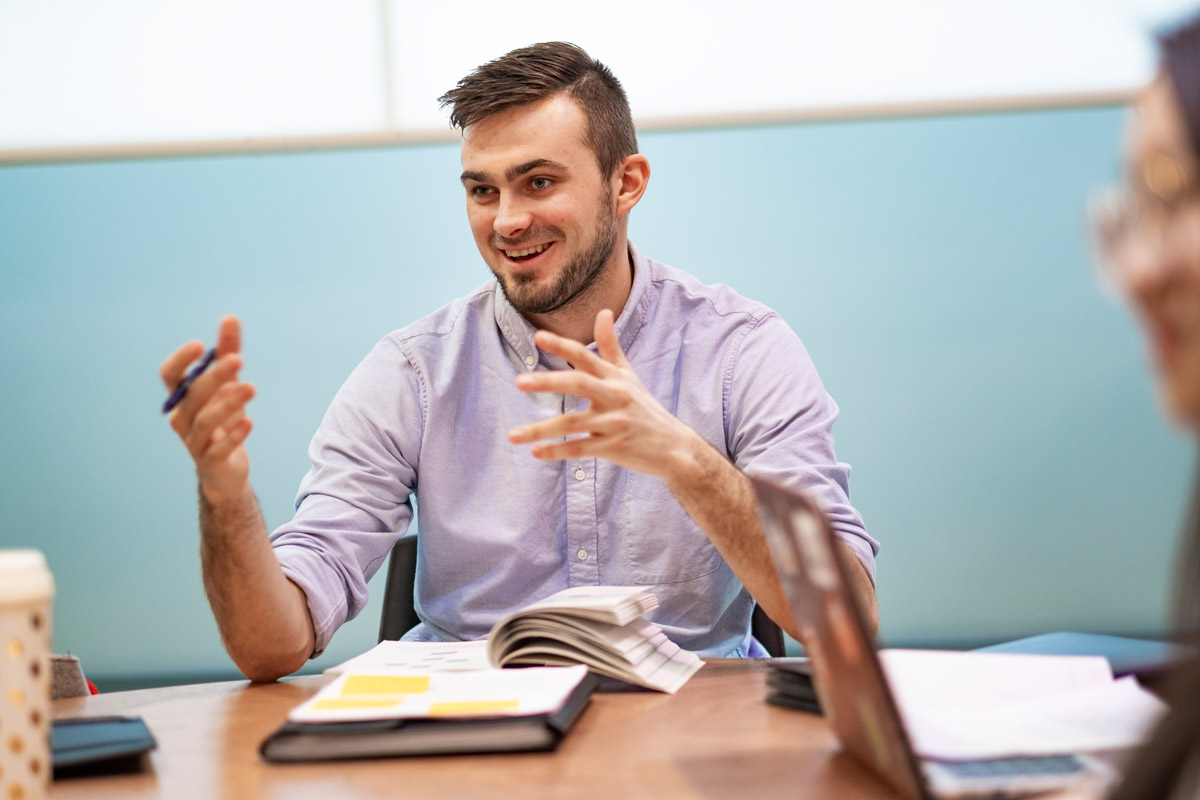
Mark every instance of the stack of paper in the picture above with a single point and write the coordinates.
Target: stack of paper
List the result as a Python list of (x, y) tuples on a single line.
[(975, 705), (790, 685)]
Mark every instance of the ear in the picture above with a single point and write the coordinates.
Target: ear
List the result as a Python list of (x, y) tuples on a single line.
[(630, 179)]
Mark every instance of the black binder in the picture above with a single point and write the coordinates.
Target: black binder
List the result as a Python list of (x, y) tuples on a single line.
[(307, 741)]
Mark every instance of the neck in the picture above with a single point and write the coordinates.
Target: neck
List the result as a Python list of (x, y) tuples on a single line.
[(577, 319)]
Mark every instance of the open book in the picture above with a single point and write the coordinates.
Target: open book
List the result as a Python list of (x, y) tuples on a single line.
[(600, 627), (425, 698)]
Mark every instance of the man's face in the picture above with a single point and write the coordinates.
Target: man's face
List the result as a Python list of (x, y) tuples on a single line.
[(542, 215)]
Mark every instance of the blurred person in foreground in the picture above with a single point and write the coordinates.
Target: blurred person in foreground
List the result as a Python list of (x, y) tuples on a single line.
[(1148, 236)]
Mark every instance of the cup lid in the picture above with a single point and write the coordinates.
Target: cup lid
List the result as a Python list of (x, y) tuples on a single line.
[(24, 576)]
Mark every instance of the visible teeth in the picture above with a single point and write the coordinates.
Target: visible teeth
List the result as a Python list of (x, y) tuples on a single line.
[(527, 252)]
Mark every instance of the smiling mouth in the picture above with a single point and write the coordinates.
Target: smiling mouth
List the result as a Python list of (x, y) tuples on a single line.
[(525, 254)]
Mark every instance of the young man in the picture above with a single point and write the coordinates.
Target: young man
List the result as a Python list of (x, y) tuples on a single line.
[(540, 460)]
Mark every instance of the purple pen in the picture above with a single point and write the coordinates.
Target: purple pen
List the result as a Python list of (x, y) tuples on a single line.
[(181, 390)]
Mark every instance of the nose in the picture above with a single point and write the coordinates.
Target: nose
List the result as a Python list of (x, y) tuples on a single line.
[(1162, 255), (1142, 270), (1144, 288), (513, 216)]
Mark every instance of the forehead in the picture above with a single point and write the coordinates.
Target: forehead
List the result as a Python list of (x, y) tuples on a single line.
[(553, 129)]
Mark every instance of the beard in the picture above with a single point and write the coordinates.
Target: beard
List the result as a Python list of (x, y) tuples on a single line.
[(576, 277)]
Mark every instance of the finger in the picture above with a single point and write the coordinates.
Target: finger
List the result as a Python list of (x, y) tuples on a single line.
[(228, 400), (577, 383), (606, 339), (561, 451), (175, 366), (594, 425), (233, 438), (224, 370), (225, 407), (216, 447), (556, 428), (208, 425), (229, 335), (574, 353), (238, 412)]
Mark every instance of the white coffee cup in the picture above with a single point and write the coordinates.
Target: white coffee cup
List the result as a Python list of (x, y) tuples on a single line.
[(26, 592)]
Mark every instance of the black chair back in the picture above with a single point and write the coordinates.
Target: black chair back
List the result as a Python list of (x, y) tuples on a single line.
[(398, 612)]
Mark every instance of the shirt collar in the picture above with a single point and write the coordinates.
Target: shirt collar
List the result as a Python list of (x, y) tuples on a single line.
[(518, 332)]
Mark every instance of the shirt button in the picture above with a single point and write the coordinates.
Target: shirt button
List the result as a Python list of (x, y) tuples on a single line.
[(530, 361), (582, 554), (580, 475)]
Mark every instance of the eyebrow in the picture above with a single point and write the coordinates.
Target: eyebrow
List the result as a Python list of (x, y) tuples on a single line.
[(514, 172)]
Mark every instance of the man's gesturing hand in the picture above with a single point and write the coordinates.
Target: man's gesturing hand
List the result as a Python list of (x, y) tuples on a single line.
[(211, 419), (623, 423)]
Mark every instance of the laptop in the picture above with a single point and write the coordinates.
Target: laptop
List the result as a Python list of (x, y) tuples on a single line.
[(854, 693)]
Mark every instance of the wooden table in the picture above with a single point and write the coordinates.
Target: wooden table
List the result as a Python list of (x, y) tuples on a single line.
[(716, 738)]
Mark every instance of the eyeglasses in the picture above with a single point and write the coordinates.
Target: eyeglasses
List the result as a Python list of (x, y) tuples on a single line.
[(1143, 226)]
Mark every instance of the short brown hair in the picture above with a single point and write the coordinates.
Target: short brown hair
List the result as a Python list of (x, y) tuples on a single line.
[(544, 70)]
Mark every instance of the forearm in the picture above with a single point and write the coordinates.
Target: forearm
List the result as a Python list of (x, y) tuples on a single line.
[(863, 588), (262, 616), (720, 499)]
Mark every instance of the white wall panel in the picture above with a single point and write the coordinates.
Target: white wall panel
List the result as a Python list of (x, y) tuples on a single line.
[(138, 71), (119, 78), (702, 61)]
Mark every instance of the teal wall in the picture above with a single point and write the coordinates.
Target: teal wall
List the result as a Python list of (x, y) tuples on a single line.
[(1005, 442)]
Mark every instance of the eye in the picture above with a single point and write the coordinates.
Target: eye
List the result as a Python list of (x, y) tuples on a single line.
[(541, 182), (1165, 178)]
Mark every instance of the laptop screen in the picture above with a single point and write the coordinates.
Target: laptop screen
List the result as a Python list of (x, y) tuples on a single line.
[(849, 680)]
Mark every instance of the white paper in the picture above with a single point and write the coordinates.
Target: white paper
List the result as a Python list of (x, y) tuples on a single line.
[(957, 679), (418, 656), (405, 694), (668, 667), (999, 705)]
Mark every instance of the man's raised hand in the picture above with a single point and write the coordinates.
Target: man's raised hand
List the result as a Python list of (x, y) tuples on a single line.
[(624, 423), (211, 418)]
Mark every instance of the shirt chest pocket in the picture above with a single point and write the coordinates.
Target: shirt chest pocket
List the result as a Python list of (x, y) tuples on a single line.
[(659, 542)]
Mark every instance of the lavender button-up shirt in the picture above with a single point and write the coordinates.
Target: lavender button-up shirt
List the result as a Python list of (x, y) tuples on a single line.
[(425, 416)]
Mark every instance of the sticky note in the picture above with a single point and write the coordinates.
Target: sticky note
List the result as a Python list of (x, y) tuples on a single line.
[(478, 707), (385, 684)]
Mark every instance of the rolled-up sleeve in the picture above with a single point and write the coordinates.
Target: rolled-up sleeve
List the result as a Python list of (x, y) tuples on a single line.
[(355, 500), (779, 424)]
